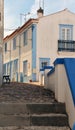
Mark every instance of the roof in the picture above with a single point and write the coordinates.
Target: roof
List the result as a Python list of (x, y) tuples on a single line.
[(20, 29), (30, 22), (66, 10)]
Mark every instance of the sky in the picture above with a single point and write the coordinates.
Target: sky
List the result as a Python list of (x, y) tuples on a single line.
[(16, 12)]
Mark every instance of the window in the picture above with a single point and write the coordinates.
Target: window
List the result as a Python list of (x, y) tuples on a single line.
[(65, 41), (16, 65), (25, 67), (14, 43), (44, 62), (8, 68), (65, 32), (4, 69), (69, 34), (5, 47), (25, 38)]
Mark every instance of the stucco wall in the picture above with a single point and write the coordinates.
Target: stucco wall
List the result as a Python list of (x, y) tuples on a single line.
[(48, 35), (28, 57), (22, 52), (50, 81), (62, 90)]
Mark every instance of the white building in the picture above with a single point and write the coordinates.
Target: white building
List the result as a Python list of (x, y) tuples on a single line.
[(38, 43), (1, 37)]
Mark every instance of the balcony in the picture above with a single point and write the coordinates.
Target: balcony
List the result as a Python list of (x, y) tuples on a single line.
[(66, 45)]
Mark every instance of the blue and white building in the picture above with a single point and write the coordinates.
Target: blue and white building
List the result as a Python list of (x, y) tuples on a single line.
[(38, 43), (1, 38)]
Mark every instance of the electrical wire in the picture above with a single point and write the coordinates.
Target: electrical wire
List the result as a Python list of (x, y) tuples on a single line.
[(7, 29)]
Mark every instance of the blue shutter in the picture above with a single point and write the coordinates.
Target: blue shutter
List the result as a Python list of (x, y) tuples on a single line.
[(14, 43), (4, 69)]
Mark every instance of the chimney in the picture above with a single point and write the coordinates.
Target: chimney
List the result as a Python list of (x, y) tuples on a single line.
[(40, 12)]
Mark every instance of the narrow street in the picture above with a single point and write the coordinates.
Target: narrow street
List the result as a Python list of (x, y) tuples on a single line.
[(30, 107), (27, 93)]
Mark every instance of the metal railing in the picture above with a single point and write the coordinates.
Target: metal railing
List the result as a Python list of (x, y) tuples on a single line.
[(66, 45)]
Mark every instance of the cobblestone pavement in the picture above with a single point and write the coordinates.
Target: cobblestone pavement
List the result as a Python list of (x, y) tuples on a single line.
[(34, 128), (23, 92)]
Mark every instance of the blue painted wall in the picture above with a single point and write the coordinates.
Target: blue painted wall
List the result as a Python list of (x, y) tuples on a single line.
[(34, 28), (69, 64), (21, 77), (5, 67), (70, 70)]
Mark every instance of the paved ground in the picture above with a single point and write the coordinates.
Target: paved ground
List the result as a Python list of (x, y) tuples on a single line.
[(35, 128), (21, 92), (27, 93)]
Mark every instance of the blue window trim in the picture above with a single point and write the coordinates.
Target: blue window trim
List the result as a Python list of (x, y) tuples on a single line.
[(25, 62), (65, 26), (34, 27), (10, 63), (16, 65), (51, 71), (14, 43), (25, 36), (43, 59), (5, 47), (4, 68)]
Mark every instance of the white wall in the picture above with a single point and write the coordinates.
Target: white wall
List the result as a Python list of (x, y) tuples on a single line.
[(50, 81), (26, 56), (48, 36), (58, 83), (21, 52)]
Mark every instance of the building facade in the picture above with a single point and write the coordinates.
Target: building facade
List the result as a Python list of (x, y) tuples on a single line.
[(19, 52), (37, 44), (1, 37)]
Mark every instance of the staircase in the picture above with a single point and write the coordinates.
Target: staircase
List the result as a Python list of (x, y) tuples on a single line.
[(40, 111)]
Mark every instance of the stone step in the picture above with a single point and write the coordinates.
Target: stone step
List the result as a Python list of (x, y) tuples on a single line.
[(46, 108), (49, 120), (34, 128), (34, 120), (14, 120), (28, 107), (22, 108)]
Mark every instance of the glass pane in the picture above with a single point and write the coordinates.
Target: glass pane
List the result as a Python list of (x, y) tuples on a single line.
[(63, 34), (68, 33), (8, 68), (14, 43), (5, 47), (44, 64), (16, 66), (25, 38)]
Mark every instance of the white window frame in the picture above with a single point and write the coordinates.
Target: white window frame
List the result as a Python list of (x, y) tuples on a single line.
[(66, 35)]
